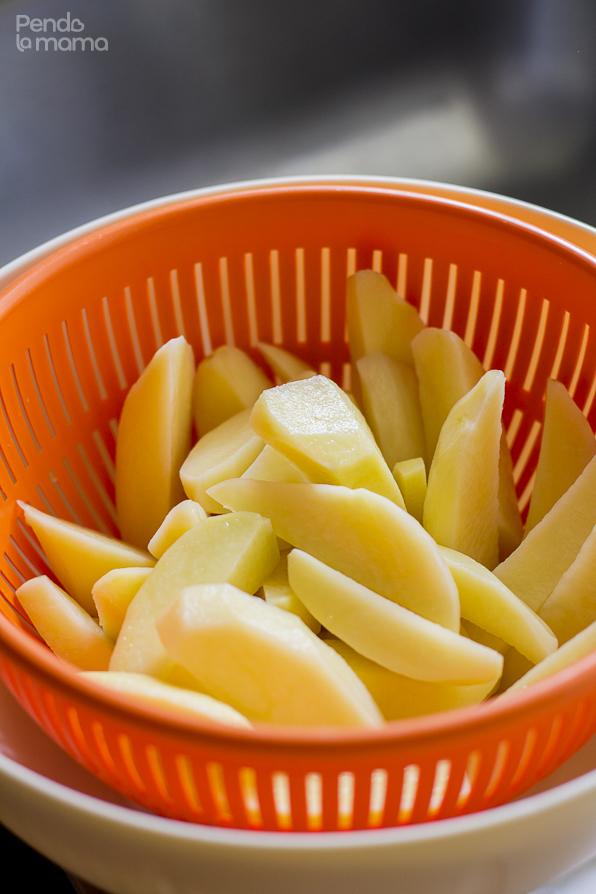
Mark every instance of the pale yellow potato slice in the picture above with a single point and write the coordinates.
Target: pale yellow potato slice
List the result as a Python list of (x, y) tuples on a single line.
[(399, 697), (70, 632), (263, 661), (271, 465), (154, 693), (277, 591), (224, 452), (379, 319), (237, 547), (318, 428), (447, 370), (488, 603), (113, 593), (226, 382), (572, 604), (389, 391), (461, 509), (566, 447), (359, 533), (286, 366), (79, 556), (579, 646), (533, 570), (153, 439), (410, 475), (177, 522), (510, 525), (384, 631)]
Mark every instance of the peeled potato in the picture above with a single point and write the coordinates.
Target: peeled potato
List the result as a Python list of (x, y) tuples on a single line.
[(225, 383), (79, 556), (316, 426), (153, 439), (156, 693), (238, 547), (273, 668), (461, 508), (70, 632)]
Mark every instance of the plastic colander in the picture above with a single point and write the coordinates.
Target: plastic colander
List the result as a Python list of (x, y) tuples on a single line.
[(269, 262)]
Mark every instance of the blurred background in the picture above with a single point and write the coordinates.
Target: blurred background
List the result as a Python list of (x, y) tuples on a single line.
[(187, 93), (499, 95)]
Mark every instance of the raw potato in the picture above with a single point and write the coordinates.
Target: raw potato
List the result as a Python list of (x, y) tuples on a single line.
[(379, 319), (155, 693), (461, 508), (446, 369), (237, 547), (286, 366), (567, 446), (113, 593), (410, 475), (359, 533), (278, 592), (177, 522), (510, 525), (271, 465), (572, 604), (385, 632), (273, 667), (536, 566), (79, 556), (581, 645), (488, 603), (153, 439), (316, 426), (224, 452), (391, 406), (70, 632), (399, 697), (226, 383)]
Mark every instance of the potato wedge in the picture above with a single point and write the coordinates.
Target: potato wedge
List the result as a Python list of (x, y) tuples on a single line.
[(286, 366), (177, 522), (488, 603), (153, 439), (155, 693), (391, 406), (237, 547), (224, 452), (263, 661), (385, 632), (113, 593), (567, 446), (410, 475), (461, 509), (79, 556), (316, 426), (70, 632), (226, 383), (379, 319), (533, 570), (359, 533), (399, 697)]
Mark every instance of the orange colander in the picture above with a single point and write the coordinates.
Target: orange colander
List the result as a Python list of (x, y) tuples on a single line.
[(269, 262)]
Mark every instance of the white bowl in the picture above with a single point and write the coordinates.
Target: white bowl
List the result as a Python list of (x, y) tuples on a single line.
[(76, 821), (72, 818)]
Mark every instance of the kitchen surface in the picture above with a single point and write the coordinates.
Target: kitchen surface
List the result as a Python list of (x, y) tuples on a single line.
[(179, 94)]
